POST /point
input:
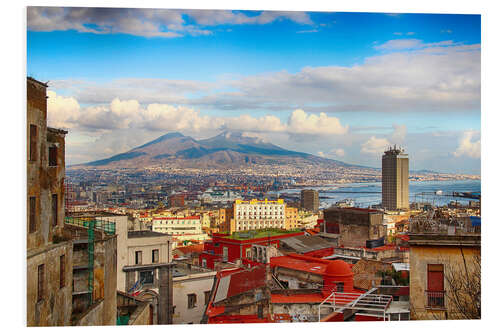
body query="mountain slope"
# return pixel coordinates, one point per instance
(228, 149)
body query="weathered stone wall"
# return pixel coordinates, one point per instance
(142, 315)
(55, 307)
(105, 277)
(93, 316)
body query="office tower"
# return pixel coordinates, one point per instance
(309, 200)
(395, 179)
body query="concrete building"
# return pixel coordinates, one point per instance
(356, 226)
(192, 286)
(395, 168)
(256, 214)
(224, 248)
(49, 255)
(309, 200)
(145, 268)
(445, 280)
(181, 228)
(94, 267)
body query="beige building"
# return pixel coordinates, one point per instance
(181, 228)
(256, 214)
(192, 287)
(445, 281)
(395, 168)
(49, 255)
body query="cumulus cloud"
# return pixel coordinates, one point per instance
(375, 146)
(127, 114)
(163, 23)
(302, 123)
(339, 152)
(467, 146)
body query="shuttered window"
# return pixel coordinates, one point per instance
(41, 281)
(435, 277)
(54, 210)
(33, 142)
(62, 271)
(53, 156)
(32, 221)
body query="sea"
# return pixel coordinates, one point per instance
(368, 194)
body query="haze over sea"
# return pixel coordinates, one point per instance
(329, 194)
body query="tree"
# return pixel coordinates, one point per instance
(463, 292)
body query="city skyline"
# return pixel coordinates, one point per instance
(339, 85)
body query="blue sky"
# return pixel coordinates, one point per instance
(339, 85)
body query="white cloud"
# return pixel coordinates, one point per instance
(339, 152)
(302, 123)
(122, 114)
(63, 110)
(375, 146)
(468, 147)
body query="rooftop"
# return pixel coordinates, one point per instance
(263, 233)
(145, 233)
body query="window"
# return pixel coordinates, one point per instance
(204, 263)
(146, 277)
(32, 227)
(435, 286)
(52, 156)
(191, 301)
(340, 287)
(62, 271)
(207, 296)
(248, 252)
(41, 282)
(33, 141)
(156, 255)
(54, 210)
(138, 257)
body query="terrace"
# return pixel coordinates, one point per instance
(262, 233)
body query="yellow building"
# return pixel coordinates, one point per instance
(292, 218)
(445, 276)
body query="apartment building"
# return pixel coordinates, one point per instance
(256, 214)
(49, 256)
(182, 228)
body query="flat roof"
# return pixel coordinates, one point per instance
(145, 233)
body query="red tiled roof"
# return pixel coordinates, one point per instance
(177, 218)
(313, 265)
(198, 248)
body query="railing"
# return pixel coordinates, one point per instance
(435, 299)
(107, 226)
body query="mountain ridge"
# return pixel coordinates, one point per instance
(227, 149)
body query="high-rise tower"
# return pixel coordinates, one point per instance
(395, 167)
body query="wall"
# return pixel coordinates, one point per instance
(105, 280)
(420, 257)
(93, 316)
(191, 284)
(142, 315)
(55, 307)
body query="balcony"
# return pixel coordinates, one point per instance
(435, 300)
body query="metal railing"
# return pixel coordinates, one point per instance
(435, 299)
(107, 226)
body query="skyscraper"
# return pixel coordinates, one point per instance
(395, 167)
(309, 200)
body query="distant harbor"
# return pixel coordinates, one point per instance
(368, 194)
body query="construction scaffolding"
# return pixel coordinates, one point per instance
(102, 224)
(369, 302)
